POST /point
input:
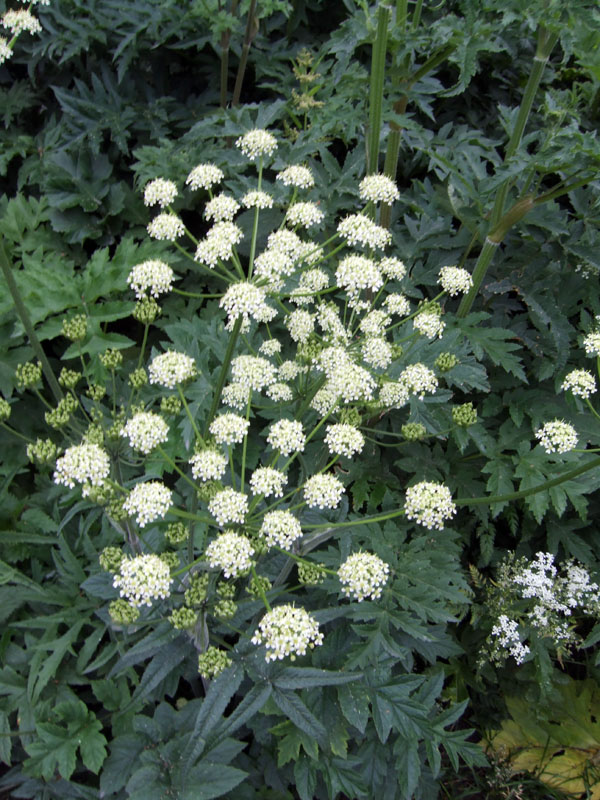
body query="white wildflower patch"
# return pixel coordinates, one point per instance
(231, 552)
(557, 436)
(148, 502)
(287, 436)
(150, 278)
(455, 280)
(280, 393)
(363, 576)
(160, 192)
(171, 369)
(257, 143)
(257, 199)
(287, 631)
(429, 324)
(268, 482)
(145, 431)
(229, 428)
(166, 227)
(281, 529)
(429, 504)
(344, 440)
(304, 215)
(580, 382)
(300, 177)
(397, 304)
(208, 465)
(229, 506)
(378, 189)
(506, 632)
(19, 20)
(221, 208)
(218, 244)
(300, 325)
(323, 491)
(143, 579)
(377, 352)
(253, 372)
(85, 464)
(247, 301)
(357, 229)
(419, 380)
(393, 394)
(235, 395)
(204, 176)
(392, 268)
(356, 273)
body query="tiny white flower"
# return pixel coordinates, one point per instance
(20, 20)
(229, 506)
(392, 268)
(455, 280)
(344, 440)
(429, 324)
(143, 579)
(151, 278)
(281, 529)
(580, 382)
(429, 504)
(419, 380)
(363, 576)
(358, 229)
(557, 436)
(268, 482)
(87, 464)
(221, 208)
(323, 491)
(287, 436)
(148, 502)
(301, 177)
(257, 200)
(145, 431)
(204, 176)
(304, 215)
(230, 552)
(287, 631)
(166, 226)
(591, 344)
(170, 369)
(229, 428)
(208, 465)
(378, 189)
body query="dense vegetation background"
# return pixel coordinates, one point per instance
(485, 115)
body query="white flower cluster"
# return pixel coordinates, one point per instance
(397, 304)
(171, 368)
(300, 324)
(248, 301)
(507, 633)
(148, 502)
(377, 352)
(323, 491)
(160, 192)
(235, 395)
(257, 200)
(229, 506)
(143, 579)
(357, 273)
(287, 631)
(392, 268)
(257, 143)
(357, 229)
(218, 244)
(581, 382)
(229, 428)
(344, 440)
(166, 227)
(253, 372)
(152, 277)
(374, 323)
(393, 394)
(300, 177)
(280, 528)
(287, 436)
(230, 552)
(429, 324)
(208, 465)
(280, 393)
(311, 282)
(19, 20)
(378, 189)
(204, 176)
(304, 215)
(363, 575)
(5, 50)
(557, 436)
(591, 343)
(268, 482)
(455, 280)
(346, 380)
(87, 464)
(429, 504)
(145, 431)
(270, 347)
(221, 208)
(418, 380)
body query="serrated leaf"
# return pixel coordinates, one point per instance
(297, 712)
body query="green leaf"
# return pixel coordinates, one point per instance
(5, 738)
(354, 703)
(207, 781)
(307, 677)
(296, 711)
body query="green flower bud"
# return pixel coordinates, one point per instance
(170, 559)
(42, 452)
(464, 415)
(146, 310)
(183, 618)
(413, 431)
(110, 559)
(310, 574)
(197, 590)
(122, 613)
(96, 391)
(225, 609)
(68, 378)
(308, 351)
(208, 490)
(213, 662)
(94, 435)
(257, 584)
(176, 533)
(170, 405)
(115, 510)
(111, 359)
(397, 351)
(28, 375)
(445, 361)
(60, 416)
(348, 415)
(138, 378)
(226, 590)
(75, 328)
(4, 410)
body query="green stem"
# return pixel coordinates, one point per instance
(14, 432)
(417, 15)
(177, 512)
(250, 33)
(255, 225)
(189, 413)
(223, 373)
(23, 315)
(591, 408)
(174, 466)
(260, 589)
(245, 445)
(485, 259)
(376, 87)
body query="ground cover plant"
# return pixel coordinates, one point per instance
(300, 424)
